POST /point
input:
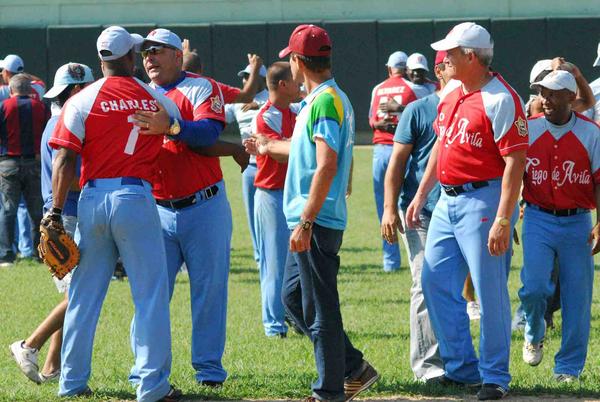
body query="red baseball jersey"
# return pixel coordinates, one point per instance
(97, 122)
(562, 170)
(182, 172)
(277, 124)
(22, 122)
(229, 92)
(476, 130)
(402, 91)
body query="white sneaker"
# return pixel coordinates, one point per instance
(565, 378)
(473, 310)
(26, 358)
(533, 353)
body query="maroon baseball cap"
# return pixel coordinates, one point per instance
(308, 40)
(439, 57)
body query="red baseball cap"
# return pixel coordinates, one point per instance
(439, 57)
(308, 40)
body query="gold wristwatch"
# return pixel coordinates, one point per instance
(305, 224)
(175, 127)
(502, 221)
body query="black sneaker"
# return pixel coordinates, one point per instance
(211, 384)
(172, 396)
(449, 382)
(355, 385)
(491, 392)
(85, 393)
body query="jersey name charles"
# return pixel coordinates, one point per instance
(150, 105)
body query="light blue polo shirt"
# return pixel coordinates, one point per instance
(326, 113)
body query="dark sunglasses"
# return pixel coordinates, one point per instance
(154, 49)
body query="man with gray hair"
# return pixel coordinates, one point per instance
(479, 160)
(22, 121)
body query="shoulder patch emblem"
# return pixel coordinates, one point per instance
(216, 104)
(521, 126)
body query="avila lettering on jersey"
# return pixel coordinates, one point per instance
(476, 130)
(561, 173)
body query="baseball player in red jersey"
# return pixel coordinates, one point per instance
(192, 202)
(117, 216)
(275, 120)
(561, 187)
(399, 92)
(479, 160)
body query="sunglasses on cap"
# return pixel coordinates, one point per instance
(155, 49)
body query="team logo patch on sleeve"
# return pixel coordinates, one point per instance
(521, 126)
(216, 104)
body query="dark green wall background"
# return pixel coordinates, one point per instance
(360, 48)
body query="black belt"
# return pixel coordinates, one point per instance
(558, 212)
(453, 191)
(204, 194)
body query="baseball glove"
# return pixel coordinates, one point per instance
(57, 249)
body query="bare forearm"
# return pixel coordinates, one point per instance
(511, 183)
(394, 176)
(319, 188)
(585, 96)
(279, 150)
(63, 173)
(220, 148)
(430, 178)
(247, 93)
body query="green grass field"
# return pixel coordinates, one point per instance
(374, 305)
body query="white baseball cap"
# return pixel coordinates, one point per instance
(12, 63)
(597, 61)
(397, 60)
(539, 67)
(416, 61)
(70, 73)
(467, 34)
(117, 42)
(165, 37)
(557, 80)
(262, 71)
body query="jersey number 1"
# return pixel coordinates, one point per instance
(133, 136)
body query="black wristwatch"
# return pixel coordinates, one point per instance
(305, 224)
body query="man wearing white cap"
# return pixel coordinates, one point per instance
(584, 98)
(388, 99)
(68, 80)
(562, 186)
(117, 216)
(479, 161)
(11, 65)
(192, 202)
(244, 115)
(416, 65)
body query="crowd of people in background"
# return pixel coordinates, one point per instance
(131, 168)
